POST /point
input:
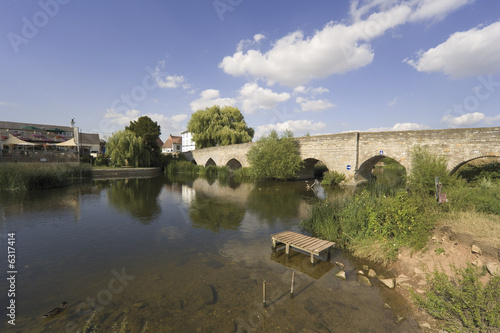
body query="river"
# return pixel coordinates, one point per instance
(183, 256)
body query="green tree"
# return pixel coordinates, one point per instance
(275, 157)
(218, 126)
(127, 149)
(149, 131)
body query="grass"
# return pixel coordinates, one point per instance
(484, 227)
(32, 176)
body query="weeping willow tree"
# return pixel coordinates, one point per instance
(127, 149)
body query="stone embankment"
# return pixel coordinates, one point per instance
(125, 173)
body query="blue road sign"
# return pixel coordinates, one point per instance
(348, 167)
(381, 152)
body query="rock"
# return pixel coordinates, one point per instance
(139, 305)
(389, 283)
(493, 268)
(476, 249)
(365, 267)
(402, 278)
(399, 319)
(387, 306)
(424, 325)
(422, 283)
(341, 265)
(418, 271)
(364, 281)
(341, 275)
(420, 291)
(360, 272)
(477, 263)
(208, 294)
(372, 274)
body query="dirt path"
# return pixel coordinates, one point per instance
(444, 249)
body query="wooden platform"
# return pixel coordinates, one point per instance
(313, 246)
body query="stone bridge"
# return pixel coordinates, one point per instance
(356, 153)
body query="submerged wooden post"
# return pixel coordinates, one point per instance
(264, 293)
(293, 279)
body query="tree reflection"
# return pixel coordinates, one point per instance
(138, 197)
(215, 214)
(274, 200)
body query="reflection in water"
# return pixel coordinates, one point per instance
(198, 268)
(139, 197)
(214, 214)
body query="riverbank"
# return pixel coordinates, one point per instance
(102, 173)
(448, 247)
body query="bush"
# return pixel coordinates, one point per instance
(102, 160)
(462, 300)
(425, 168)
(332, 178)
(275, 157)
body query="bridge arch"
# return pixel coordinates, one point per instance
(461, 164)
(233, 164)
(308, 171)
(364, 172)
(210, 162)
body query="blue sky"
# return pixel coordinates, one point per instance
(314, 67)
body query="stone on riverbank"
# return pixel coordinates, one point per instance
(372, 274)
(493, 268)
(341, 265)
(364, 281)
(341, 275)
(389, 283)
(476, 249)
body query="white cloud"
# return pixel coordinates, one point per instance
(337, 48)
(114, 121)
(253, 97)
(467, 119)
(248, 43)
(299, 127)
(466, 53)
(492, 120)
(258, 37)
(436, 9)
(309, 90)
(296, 59)
(168, 81)
(118, 121)
(209, 98)
(394, 101)
(397, 127)
(314, 105)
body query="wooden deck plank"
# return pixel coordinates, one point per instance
(311, 245)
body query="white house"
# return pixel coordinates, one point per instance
(187, 141)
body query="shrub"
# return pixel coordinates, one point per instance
(332, 178)
(425, 168)
(275, 157)
(102, 160)
(462, 300)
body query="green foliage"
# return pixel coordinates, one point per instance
(102, 160)
(244, 173)
(32, 176)
(319, 170)
(275, 157)
(149, 131)
(462, 300)
(387, 221)
(473, 173)
(127, 149)
(439, 250)
(87, 159)
(424, 169)
(219, 126)
(483, 196)
(332, 178)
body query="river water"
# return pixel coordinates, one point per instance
(181, 256)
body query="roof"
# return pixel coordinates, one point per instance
(159, 142)
(23, 126)
(171, 140)
(89, 139)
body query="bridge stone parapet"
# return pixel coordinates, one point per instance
(356, 153)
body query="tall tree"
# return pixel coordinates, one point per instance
(218, 126)
(127, 149)
(275, 157)
(149, 131)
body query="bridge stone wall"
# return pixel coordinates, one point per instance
(356, 153)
